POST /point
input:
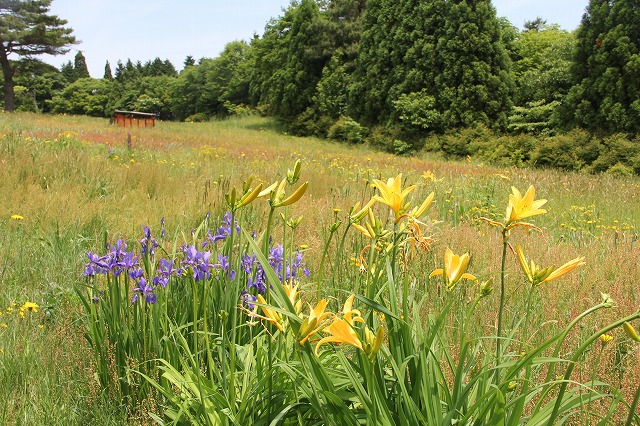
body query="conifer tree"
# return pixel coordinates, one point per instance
(108, 75)
(80, 66)
(606, 94)
(27, 29)
(447, 56)
(474, 84)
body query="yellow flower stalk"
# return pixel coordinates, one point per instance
(293, 198)
(373, 228)
(536, 275)
(392, 194)
(340, 331)
(373, 342)
(521, 207)
(277, 197)
(454, 269)
(292, 293)
(249, 196)
(268, 189)
(360, 214)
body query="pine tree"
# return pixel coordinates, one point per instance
(27, 29)
(107, 72)
(379, 52)
(68, 71)
(606, 94)
(474, 84)
(447, 56)
(80, 66)
(119, 75)
(189, 61)
(290, 58)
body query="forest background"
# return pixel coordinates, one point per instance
(443, 76)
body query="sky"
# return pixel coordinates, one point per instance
(141, 30)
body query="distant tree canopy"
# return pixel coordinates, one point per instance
(27, 29)
(392, 72)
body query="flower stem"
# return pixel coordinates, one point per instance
(501, 307)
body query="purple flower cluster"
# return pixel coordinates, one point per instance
(196, 263)
(257, 278)
(142, 287)
(116, 261)
(225, 230)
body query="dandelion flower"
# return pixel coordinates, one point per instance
(29, 306)
(606, 338)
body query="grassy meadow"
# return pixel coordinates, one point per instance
(67, 183)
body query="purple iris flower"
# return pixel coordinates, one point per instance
(143, 289)
(96, 265)
(165, 270)
(148, 243)
(198, 262)
(248, 299)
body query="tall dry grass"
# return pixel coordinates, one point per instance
(72, 178)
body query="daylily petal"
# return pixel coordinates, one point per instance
(340, 332)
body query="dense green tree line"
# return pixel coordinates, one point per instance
(394, 72)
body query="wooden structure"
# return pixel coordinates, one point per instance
(133, 118)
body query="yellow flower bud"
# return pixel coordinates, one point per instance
(631, 332)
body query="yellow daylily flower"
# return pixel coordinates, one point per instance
(392, 194)
(292, 293)
(373, 342)
(631, 332)
(268, 189)
(270, 315)
(314, 322)
(536, 275)
(417, 212)
(340, 331)
(356, 215)
(348, 313)
(297, 194)
(521, 207)
(277, 196)
(454, 269)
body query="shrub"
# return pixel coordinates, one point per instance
(197, 118)
(620, 170)
(309, 123)
(347, 130)
(416, 111)
(615, 149)
(462, 142)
